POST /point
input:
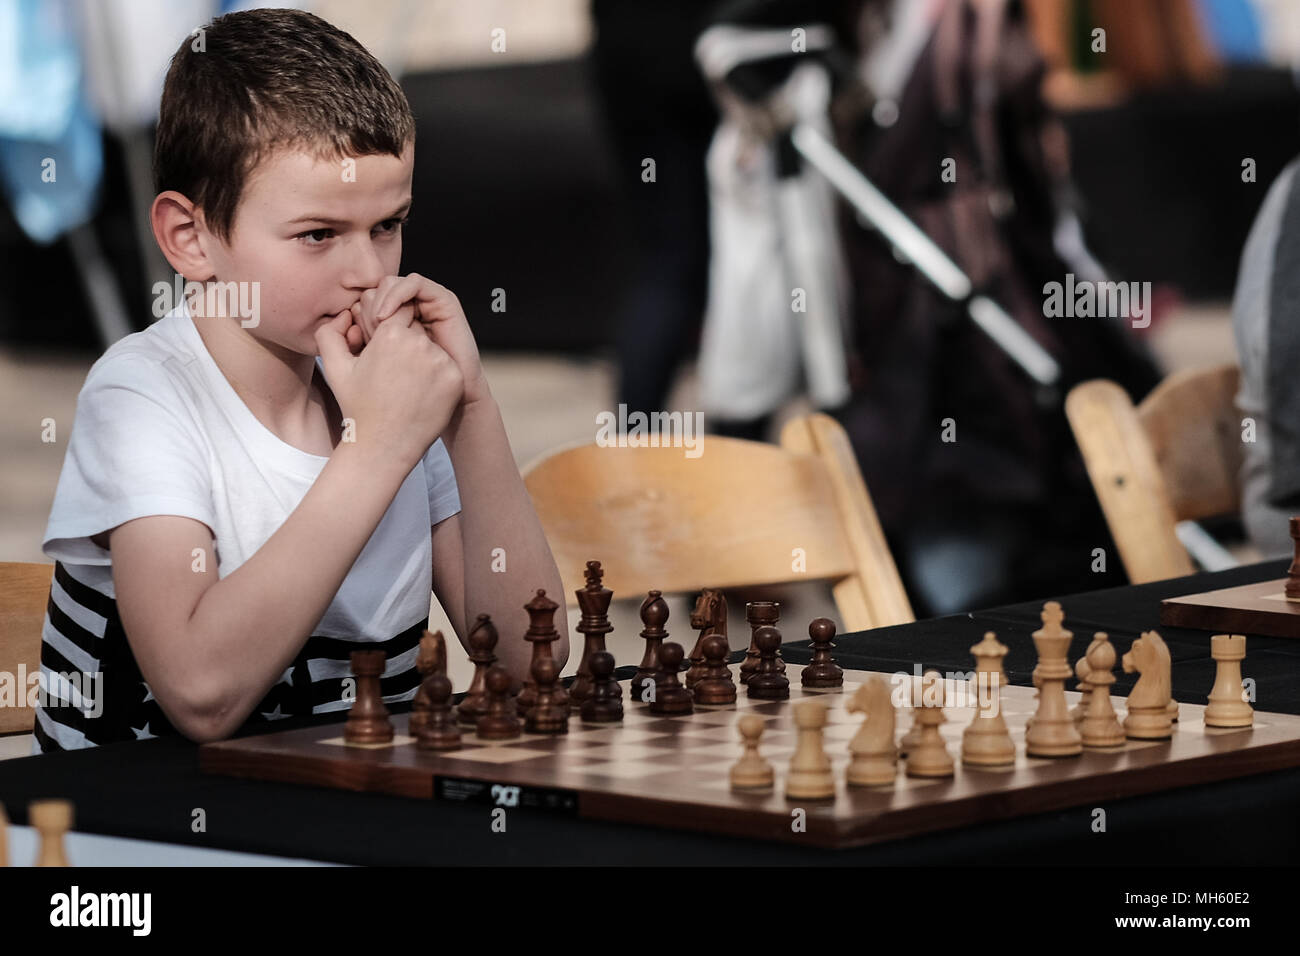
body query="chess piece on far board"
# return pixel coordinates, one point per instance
(52, 819)
(1226, 707)
(368, 721)
(822, 672)
(1100, 729)
(874, 757)
(654, 614)
(605, 703)
(1292, 590)
(1148, 704)
(594, 600)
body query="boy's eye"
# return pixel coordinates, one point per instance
(315, 237)
(392, 225)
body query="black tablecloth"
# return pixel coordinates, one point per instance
(152, 789)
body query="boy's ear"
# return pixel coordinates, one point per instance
(176, 227)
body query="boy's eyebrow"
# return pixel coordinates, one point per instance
(398, 214)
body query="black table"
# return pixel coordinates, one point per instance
(151, 789)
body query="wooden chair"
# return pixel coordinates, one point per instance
(24, 592)
(1175, 457)
(742, 513)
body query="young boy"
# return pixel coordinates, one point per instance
(235, 516)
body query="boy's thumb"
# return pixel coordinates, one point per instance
(332, 344)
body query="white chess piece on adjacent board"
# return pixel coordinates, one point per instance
(1226, 707)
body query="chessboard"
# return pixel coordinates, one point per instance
(673, 771)
(1260, 608)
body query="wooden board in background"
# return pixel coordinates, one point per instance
(1260, 608)
(673, 771)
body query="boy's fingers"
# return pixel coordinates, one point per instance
(331, 342)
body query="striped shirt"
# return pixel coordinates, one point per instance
(159, 430)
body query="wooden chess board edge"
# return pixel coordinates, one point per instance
(1096, 789)
(823, 829)
(1237, 610)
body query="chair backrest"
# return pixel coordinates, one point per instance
(741, 513)
(1176, 457)
(24, 593)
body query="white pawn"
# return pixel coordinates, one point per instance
(751, 771)
(930, 757)
(810, 776)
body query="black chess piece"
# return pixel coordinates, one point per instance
(541, 634)
(594, 600)
(758, 614)
(499, 722)
(605, 705)
(715, 686)
(768, 683)
(482, 642)
(549, 714)
(438, 731)
(823, 672)
(654, 614)
(670, 697)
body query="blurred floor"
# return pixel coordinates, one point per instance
(546, 400)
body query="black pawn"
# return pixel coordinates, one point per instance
(654, 614)
(438, 730)
(823, 671)
(670, 697)
(500, 722)
(549, 714)
(482, 643)
(768, 683)
(715, 685)
(605, 705)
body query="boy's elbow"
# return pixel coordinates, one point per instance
(206, 717)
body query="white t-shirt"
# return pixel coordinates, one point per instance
(160, 431)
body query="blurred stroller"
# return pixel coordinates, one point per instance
(917, 319)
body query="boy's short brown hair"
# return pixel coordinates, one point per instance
(260, 80)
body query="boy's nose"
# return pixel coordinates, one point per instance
(364, 267)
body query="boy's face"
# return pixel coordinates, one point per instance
(314, 234)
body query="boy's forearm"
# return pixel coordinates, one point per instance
(251, 624)
(496, 512)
